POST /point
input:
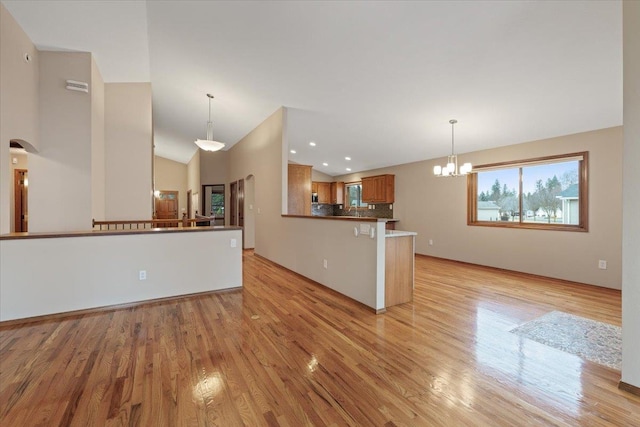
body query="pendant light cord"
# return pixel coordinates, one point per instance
(453, 122)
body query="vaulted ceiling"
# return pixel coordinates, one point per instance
(375, 81)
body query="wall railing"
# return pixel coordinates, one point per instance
(148, 224)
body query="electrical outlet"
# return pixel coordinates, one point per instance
(142, 275)
(602, 264)
(325, 264)
(233, 243)
(430, 242)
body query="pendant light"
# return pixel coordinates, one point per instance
(209, 144)
(451, 169)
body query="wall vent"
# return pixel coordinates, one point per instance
(79, 86)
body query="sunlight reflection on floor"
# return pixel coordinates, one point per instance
(531, 363)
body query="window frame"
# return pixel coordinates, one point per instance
(583, 186)
(361, 205)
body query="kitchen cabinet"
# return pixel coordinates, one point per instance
(299, 190)
(324, 192)
(337, 193)
(378, 189)
(399, 267)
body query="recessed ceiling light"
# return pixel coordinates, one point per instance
(292, 151)
(348, 169)
(347, 158)
(325, 164)
(313, 144)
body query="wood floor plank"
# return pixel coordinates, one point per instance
(284, 351)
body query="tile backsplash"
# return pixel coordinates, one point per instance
(318, 209)
(381, 210)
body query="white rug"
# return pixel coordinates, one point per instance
(595, 341)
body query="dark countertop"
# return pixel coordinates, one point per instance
(344, 218)
(50, 235)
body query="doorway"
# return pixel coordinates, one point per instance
(166, 207)
(233, 209)
(213, 202)
(20, 189)
(189, 205)
(241, 203)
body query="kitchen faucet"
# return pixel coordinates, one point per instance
(353, 205)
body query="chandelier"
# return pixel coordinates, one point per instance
(209, 144)
(451, 169)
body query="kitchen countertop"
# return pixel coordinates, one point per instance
(399, 233)
(344, 217)
(48, 235)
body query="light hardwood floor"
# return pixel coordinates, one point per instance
(285, 351)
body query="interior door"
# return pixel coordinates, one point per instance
(241, 203)
(21, 188)
(233, 211)
(166, 204)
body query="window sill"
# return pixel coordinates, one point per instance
(529, 226)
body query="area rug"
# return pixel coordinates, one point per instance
(595, 341)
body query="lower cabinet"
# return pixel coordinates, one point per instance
(398, 277)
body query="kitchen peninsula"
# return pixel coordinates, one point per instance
(356, 257)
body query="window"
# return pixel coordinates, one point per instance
(545, 193)
(353, 195)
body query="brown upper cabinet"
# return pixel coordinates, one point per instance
(337, 193)
(324, 192)
(328, 192)
(378, 189)
(299, 189)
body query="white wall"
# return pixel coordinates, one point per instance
(320, 176)
(301, 244)
(436, 208)
(260, 154)
(128, 151)
(355, 265)
(250, 212)
(193, 181)
(18, 103)
(60, 173)
(76, 273)
(98, 165)
(631, 197)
